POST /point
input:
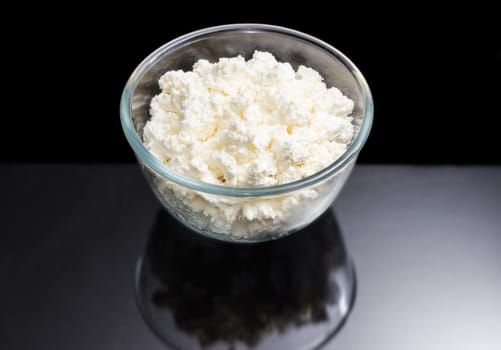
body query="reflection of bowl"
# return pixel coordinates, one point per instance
(223, 212)
(291, 293)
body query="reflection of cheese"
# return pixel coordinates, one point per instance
(253, 123)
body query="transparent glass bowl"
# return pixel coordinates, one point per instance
(226, 213)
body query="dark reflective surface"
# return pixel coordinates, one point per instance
(426, 242)
(294, 292)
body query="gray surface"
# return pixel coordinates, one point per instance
(426, 242)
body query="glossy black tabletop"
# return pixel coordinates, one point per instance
(425, 241)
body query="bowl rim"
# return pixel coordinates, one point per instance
(155, 164)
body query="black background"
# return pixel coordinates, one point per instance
(435, 76)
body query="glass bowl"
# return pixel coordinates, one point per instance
(245, 214)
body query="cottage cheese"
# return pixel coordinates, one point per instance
(254, 123)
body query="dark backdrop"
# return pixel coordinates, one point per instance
(435, 77)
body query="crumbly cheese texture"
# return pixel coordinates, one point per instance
(254, 123)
